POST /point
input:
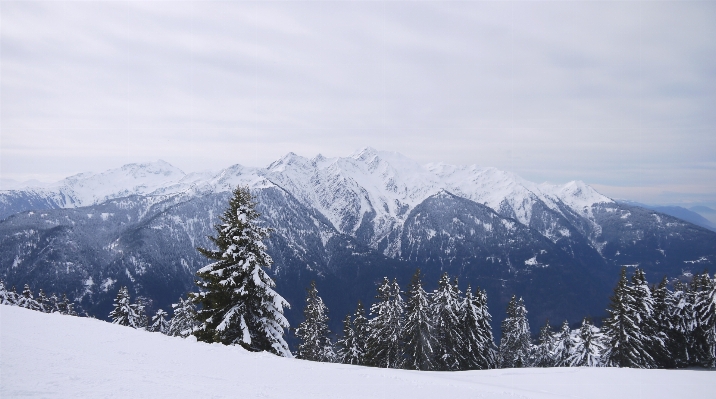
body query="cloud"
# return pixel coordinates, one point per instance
(613, 93)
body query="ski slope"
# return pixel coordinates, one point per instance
(55, 356)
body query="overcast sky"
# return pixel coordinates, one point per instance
(621, 95)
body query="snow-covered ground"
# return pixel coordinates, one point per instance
(50, 355)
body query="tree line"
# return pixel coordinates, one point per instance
(647, 327)
(43, 303)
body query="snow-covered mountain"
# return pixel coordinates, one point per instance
(382, 186)
(345, 222)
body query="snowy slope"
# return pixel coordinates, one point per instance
(55, 356)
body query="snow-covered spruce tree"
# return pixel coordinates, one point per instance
(159, 322)
(44, 301)
(362, 330)
(448, 329)
(27, 300)
(515, 343)
(479, 352)
(418, 337)
(140, 312)
(67, 307)
(663, 304)
(588, 348)
(383, 344)
(184, 321)
(313, 332)
(346, 348)
(683, 320)
(644, 300)
(625, 343)
(6, 296)
(54, 303)
(238, 303)
(543, 352)
(123, 312)
(706, 311)
(564, 345)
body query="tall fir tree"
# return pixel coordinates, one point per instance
(362, 331)
(706, 311)
(448, 329)
(625, 344)
(160, 323)
(54, 303)
(184, 321)
(418, 332)
(654, 338)
(515, 345)
(384, 347)
(663, 321)
(313, 332)
(588, 348)
(563, 346)
(27, 300)
(238, 302)
(123, 312)
(479, 350)
(140, 312)
(346, 348)
(543, 353)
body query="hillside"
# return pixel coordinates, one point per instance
(56, 356)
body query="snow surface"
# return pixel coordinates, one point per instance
(55, 356)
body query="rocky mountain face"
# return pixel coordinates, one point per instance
(345, 222)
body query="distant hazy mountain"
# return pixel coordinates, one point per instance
(693, 215)
(345, 222)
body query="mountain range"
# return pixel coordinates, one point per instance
(345, 222)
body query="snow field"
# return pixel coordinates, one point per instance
(55, 356)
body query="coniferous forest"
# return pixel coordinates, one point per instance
(668, 325)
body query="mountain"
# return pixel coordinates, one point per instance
(345, 222)
(690, 215)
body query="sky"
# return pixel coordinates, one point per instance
(621, 95)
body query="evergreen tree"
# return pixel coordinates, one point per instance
(625, 345)
(362, 331)
(184, 321)
(346, 348)
(479, 351)
(123, 313)
(383, 344)
(515, 342)
(159, 322)
(67, 307)
(142, 321)
(663, 321)
(563, 346)
(54, 303)
(587, 350)
(13, 297)
(44, 302)
(237, 297)
(418, 332)
(448, 328)
(706, 310)
(543, 354)
(6, 297)
(313, 332)
(27, 300)
(654, 339)
(683, 320)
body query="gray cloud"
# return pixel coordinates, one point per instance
(619, 94)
